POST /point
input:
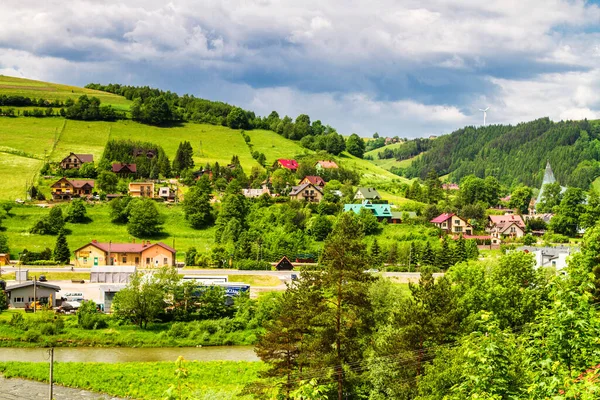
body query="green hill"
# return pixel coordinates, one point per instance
(517, 154)
(25, 141)
(53, 91)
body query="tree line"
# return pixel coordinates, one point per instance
(84, 108)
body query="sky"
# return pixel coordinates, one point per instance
(396, 67)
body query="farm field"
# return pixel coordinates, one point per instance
(54, 91)
(207, 380)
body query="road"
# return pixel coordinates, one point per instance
(22, 389)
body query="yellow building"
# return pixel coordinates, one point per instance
(144, 254)
(141, 189)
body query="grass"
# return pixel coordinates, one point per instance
(138, 380)
(176, 230)
(54, 91)
(15, 171)
(274, 146)
(390, 147)
(256, 280)
(369, 171)
(596, 184)
(32, 135)
(82, 137)
(53, 275)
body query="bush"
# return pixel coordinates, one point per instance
(179, 330)
(247, 265)
(18, 321)
(32, 336)
(44, 262)
(93, 321)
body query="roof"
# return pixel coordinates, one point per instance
(126, 247)
(442, 218)
(368, 193)
(315, 180)
(30, 283)
(450, 186)
(379, 210)
(502, 221)
(297, 189)
(327, 164)
(79, 183)
(119, 167)
(289, 164)
(85, 157)
(284, 264)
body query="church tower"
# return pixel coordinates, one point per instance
(548, 178)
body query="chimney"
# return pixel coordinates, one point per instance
(94, 241)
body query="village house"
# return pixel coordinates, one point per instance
(166, 193)
(141, 189)
(292, 165)
(144, 254)
(315, 180)
(22, 295)
(324, 164)
(549, 256)
(502, 226)
(307, 192)
(4, 259)
(65, 189)
(364, 193)
(452, 224)
(254, 193)
(201, 172)
(124, 170)
(381, 211)
(284, 264)
(75, 161)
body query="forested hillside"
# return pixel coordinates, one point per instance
(516, 154)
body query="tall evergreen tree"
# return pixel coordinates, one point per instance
(196, 204)
(61, 252)
(460, 253)
(184, 158)
(428, 257)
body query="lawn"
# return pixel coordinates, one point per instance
(369, 171)
(15, 171)
(177, 232)
(596, 184)
(392, 146)
(54, 91)
(213, 380)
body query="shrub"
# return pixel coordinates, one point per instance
(18, 321)
(179, 330)
(32, 336)
(252, 265)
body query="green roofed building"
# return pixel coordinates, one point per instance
(381, 211)
(365, 193)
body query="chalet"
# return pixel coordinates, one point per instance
(292, 165)
(284, 264)
(148, 153)
(141, 189)
(364, 193)
(381, 211)
(75, 161)
(307, 192)
(65, 189)
(549, 256)
(22, 294)
(452, 223)
(324, 164)
(502, 226)
(254, 193)
(144, 254)
(124, 169)
(315, 180)
(202, 171)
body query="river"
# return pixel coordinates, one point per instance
(126, 354)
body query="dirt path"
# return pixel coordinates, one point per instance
(21, 389)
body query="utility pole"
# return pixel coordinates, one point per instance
(34, 293)
(50, 392)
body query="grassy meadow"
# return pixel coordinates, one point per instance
(215, 380)
(274, 146)
(54, 91)
(15, 171)
(176, 231)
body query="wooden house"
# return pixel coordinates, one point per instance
(65, 189)
(452, 224)
(307, 192)
(141, 189)
(284, 264)
(315, 180)
(124, 170)
(144, 254)
(75, 161)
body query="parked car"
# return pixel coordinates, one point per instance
(42, 278)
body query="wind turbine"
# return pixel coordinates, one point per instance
(484, 114)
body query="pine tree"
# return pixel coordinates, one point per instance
(428, 257)
(444, 259)
(184, 158)
(61, 253)
(196, 204)
(375, 253)
(461, 250)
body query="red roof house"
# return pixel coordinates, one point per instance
(452, 223)
(292, 165)
(124, 169)
(315, 180)
(325, 164)
(508, 225)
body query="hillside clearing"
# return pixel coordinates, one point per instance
(15, 171)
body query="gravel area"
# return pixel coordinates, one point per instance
(22, 389)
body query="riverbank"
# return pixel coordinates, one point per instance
(37, 331)
(214, 380)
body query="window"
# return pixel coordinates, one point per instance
(124, 260)
(457, 222)
(444, 225)
(458, 229)
(85, 260)
(165, 261)
(147, 260)
(30, 299)
(19, 300)
(137, 260)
